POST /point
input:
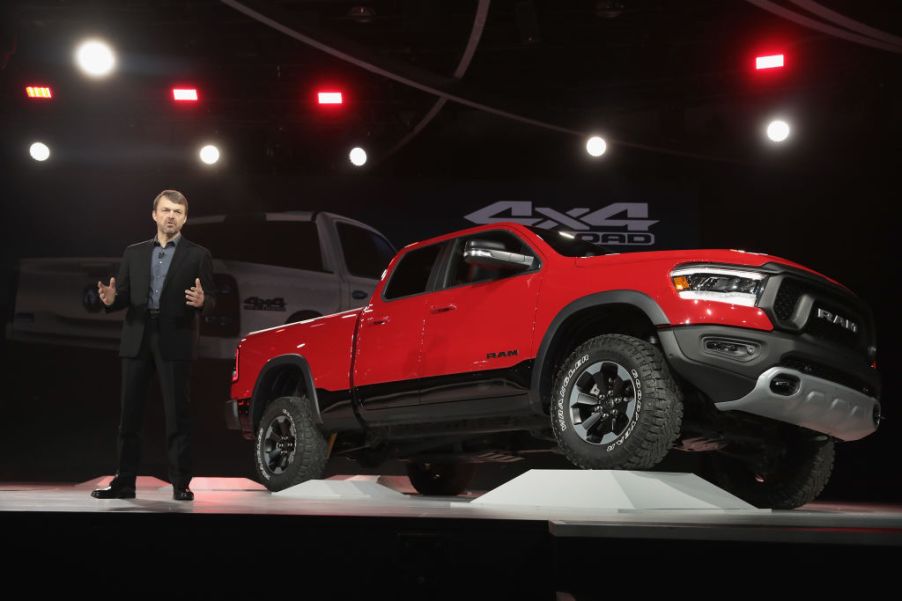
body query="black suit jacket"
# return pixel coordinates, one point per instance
(179, 322)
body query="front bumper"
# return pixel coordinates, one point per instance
(791, 378)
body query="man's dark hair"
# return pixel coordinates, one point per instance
(172, 196)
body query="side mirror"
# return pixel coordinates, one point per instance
(487, 253)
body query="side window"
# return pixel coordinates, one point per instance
(460, 272)
(411, 275)
(366, 252)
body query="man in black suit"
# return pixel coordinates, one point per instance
(164, 283)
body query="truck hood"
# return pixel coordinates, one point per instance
(715, 255)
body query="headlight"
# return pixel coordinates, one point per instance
(718, 284)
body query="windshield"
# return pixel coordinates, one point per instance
(567, 244)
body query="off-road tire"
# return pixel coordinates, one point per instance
(289, 419)
(795, 478)
(649, 391)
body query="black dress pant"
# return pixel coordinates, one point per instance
(174, 377)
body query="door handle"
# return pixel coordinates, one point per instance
(359, 295)
(379, 321)
(443, 308)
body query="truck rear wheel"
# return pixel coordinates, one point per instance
(289, 449)
(615, 404)
(793, 477)
(440, 478)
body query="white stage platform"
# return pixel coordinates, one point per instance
(574, 503)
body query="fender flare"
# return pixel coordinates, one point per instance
(294, 360)
(639, 300)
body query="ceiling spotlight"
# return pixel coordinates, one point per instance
(40, 92)
(184, 94)
(39, 151)
(329, 98)
(209, 154)
(95, 58)
(771, 61)
(596, 146)
(778, 130)
(357, 156)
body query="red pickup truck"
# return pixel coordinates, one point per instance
(503, 339)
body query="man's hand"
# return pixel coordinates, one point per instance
(195, 295)
(107, 293)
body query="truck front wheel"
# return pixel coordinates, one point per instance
(794, 476)
(290, 448)
(615, 404)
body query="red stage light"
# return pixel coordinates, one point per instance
(184, 94)
(330, 98)
(771, 61)
(38, 92)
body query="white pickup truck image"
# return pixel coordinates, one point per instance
(269, 268)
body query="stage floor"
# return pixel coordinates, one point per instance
(820, 522)
(423, 547)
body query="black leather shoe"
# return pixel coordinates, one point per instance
(116, 490)
(182, 494)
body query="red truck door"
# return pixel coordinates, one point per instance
(479, 326)
(390, 336)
